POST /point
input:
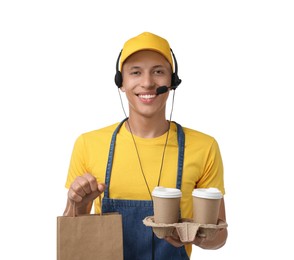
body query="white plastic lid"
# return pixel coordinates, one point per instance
(209, 193)
(163, 192)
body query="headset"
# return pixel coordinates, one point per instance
(175, 80)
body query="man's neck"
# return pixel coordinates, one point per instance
(147, 127)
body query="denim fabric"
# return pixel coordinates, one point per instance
(139, 241)
(137, 238)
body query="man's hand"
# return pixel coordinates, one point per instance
(175, 240)
(214, 242)
(81, 193)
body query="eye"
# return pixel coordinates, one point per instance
(135, 72)
(158, 72)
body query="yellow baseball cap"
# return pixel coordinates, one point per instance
(146, 41)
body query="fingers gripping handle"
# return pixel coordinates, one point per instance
(100, 204)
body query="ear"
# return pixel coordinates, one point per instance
(122, 88)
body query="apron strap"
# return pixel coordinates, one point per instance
(181, 151)
(110, 158)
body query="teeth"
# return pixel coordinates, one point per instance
(147, 96)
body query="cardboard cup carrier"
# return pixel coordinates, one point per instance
(166, 221)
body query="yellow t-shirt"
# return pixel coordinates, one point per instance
(202, 164)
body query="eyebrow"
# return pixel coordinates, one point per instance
(154, 67)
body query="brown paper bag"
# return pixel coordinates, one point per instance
(89, 237)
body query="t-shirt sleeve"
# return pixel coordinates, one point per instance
(77, 166)
(213, 172)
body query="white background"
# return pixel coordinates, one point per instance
(236, 60)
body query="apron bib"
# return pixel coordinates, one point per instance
(139, 241)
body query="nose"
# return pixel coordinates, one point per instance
(147, 81)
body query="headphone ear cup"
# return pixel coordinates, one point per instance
(175, 82)
(118, 79)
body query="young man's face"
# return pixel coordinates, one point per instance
(143, 72)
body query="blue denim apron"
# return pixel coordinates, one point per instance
(139, 241)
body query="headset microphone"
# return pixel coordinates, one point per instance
(161, 90)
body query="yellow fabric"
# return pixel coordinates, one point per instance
(202, 164)
(146, 41)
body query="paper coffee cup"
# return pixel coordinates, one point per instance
(166, 205)
(206, 204)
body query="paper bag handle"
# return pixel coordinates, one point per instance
(100, 203)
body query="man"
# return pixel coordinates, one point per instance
(125, 161)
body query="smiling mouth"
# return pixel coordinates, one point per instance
(146, 96)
